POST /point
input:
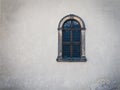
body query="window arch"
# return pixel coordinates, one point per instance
(71, 39)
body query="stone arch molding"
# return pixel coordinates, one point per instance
(83, 28)
(72, 16)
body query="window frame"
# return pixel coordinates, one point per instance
(82, 30)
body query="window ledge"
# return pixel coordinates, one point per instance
(81, 59)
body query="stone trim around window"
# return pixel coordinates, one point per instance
(83, 57)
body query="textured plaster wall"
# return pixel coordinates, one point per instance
(29, 41)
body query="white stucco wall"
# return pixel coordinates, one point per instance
(29, 44)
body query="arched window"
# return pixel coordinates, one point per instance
(71, 39)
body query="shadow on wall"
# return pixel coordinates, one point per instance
(8, 9)
(10, 88)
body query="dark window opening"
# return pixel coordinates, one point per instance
(71, 41)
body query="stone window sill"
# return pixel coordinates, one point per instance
(81, 59)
